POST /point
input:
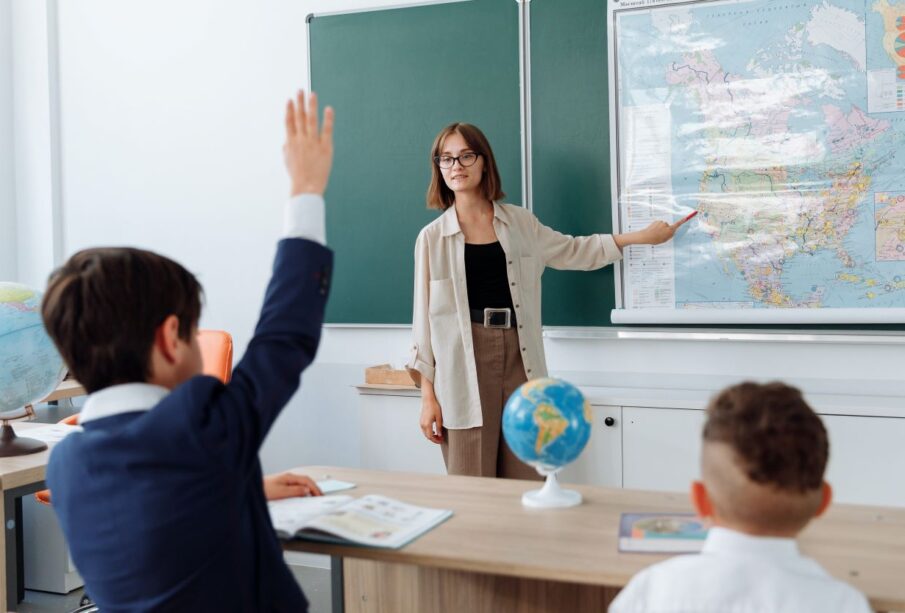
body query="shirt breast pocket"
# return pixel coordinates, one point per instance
(442, 297)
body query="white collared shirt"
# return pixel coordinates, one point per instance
(304, 217)
(442, 348)
(738, 573)
(118, 399)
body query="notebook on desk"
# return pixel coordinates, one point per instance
(372, 521)
(661, 533)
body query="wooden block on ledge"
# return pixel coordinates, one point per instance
(384, 374)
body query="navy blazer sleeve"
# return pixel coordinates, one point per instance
(233, 419)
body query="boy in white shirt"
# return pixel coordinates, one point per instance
(762, 463)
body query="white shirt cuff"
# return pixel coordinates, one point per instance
(305, 217)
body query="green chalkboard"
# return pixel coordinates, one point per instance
(570, 148)
(395, 78)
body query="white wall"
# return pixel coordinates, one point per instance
(8, 267)
(172, 131)
(34, 178)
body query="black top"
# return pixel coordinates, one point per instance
(485, 276)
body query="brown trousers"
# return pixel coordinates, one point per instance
(482, 451)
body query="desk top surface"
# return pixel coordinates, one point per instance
(24, 469)
(491, 532)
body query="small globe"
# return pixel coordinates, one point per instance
(547, 423)
(30, 366)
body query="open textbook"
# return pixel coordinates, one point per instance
(374, 521)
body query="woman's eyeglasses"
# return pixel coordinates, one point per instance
(447, 161)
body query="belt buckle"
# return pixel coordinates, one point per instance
(492, 318)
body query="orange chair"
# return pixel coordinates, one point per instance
(216, 361)
(216, 353)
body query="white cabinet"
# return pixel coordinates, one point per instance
(660, 448)
(651, 449)
(391, 438)
(661, 451)
(601, 461)
(48, 566)
(867, 459)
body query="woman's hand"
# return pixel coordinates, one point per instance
(431, 415)
(656, 233)
(288, 485)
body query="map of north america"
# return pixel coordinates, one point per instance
(785, 134)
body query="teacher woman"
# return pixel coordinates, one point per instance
(477, 304)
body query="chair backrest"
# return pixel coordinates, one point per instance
(216, 353)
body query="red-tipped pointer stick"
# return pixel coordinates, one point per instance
(690, 215)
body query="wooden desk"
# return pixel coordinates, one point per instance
(495, 555)
(70, 388)
(19, 476)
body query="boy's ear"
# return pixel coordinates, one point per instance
(700, 499)
(827, 499)
(166, 338)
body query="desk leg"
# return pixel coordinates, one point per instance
(13, 589)
(11, 554)
(20, 553)
(337, 589)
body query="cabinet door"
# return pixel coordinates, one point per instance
(867, 459)
(660, 448)
(391, 438)
(601, 461)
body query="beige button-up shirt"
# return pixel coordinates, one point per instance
(442, 347)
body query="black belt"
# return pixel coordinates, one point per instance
(493, 318)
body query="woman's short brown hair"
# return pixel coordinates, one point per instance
(439, 196)
(103, 307)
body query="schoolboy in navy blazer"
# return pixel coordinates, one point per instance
(161, 498)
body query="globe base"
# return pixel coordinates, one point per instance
(551, 496)
(12, 445)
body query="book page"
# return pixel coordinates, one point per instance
(376, 521)
(290, 515)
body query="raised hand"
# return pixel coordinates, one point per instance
(308, 150)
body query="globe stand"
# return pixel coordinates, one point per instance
(12, 445)
(551, 495)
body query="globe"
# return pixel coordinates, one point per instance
(30, 366)
(547, 423)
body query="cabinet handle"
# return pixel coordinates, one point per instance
(610, 422)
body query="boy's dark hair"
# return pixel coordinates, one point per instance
(102, 308)
(777, 438)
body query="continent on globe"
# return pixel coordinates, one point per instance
(550, 426)
(15, 296)
(890, 223)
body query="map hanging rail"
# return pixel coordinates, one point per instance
(759, 316)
